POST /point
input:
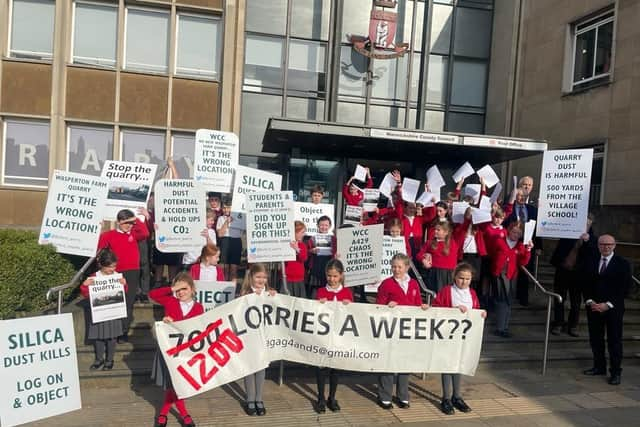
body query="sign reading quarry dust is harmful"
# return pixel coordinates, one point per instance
(39, 368)
(180, 215)
(72, 217)
(215, 159)
(270, 228)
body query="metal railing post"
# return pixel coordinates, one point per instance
(285, 288)
(59, 302)
(429, 292)
(73, 282)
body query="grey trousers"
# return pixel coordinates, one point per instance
(105, 349)
(503, 314)
(253, 386)
(385, 387)
(450, 381)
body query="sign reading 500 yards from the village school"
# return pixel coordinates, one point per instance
(215, 159)
(72, 217)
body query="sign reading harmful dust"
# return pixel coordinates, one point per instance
(129, 186)
(270, 228)
(73, 214)
(215, 159)
(180, 215)
(360, 250)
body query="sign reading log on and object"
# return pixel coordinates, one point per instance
(215, 159)
(270, 230)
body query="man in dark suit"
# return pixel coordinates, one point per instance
(609, 280)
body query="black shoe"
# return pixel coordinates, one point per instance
(108, 365)
(385, 405)
(260, 410)
(573, 332)
(446, 407)
(333, 405)
(96, 365)
(614, 379)
(123, 339)
(161, 421)
(460, 404)
(404, 405)
(143, 298)
(251, 408)
(556, 330)
(321, 407)
(595, 371)
(187, 421)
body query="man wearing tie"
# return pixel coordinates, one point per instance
(608, 284)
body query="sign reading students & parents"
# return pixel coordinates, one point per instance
(270, 228)
(73, 214)
(39, 368)
(564, 193)
(180, 215)
(215, 159)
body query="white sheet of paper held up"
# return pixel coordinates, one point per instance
(361, 173)
(480, 215)
(473, 190)
(496, 193)
(426, 199)
(410, 189)
(485, 203)
(434, 178)
(515, 182)
(387, 185)
(459, 208)
(463, 172)
(489, 175)
(529, 229)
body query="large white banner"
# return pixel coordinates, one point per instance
(390, 247)
(215, 159)
(246, 334)
(564, 193)
(249, 180)
(180, 215)
(270, 228)
(212, 294)
(39, 369)
(309, 214)
(129, 186)
(106, 298)
(360, 250)
(73, 213)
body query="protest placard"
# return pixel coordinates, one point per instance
(463, 172)
(249, 180)
(434, 178)
(489, 175)
(370, 201)
(426, 199)
(387, 185)
(213, 293)
(106, 298)
(39, 368)
(564, 193)
(180, 214)
(246, 334)
(270, 228)
(352, 215)
(72, 217)
(360, 173)
(458, 211)
(215, 159)
(360, 250)
(309, 213)
(410, 188)
(129, 186)
(323, 244)
(390, 247)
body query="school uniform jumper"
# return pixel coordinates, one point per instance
(355, 199)
(198, 268)
(294, 271)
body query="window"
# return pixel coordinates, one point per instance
(88, 148)
(592, 48)
(198, 47)
(26, 153)
(469, 83)
(143, 52)
(266, 16)
(182, 152)
(263, 61)
(310, 18)
(465, 123)
(94, 33)
(305, 108)
(306, 66)
(256, 110)
(32, 29)
(353, 72)
(472, 33)
(143, 147)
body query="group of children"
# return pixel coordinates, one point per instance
(458, 261)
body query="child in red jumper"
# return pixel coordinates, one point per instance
(123, 242)
(206, 266)
(440, 255)
(334, 291)
(461, 296)
(294, 270)
(178, 304)
(103, 334)
(399, 289)
(352, 195)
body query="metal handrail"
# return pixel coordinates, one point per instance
(423, 286)
(72, 283)
(550, 297)
(635, 279)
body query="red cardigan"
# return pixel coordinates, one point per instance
(164, 296)
(125, 245)
(355, 200)
(490, 235)
(478, 236)
(513, 259)
(195, 272)
(344, 294)
(390, 290)
(443, 298)
(295, 269)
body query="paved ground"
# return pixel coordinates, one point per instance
(522, 397)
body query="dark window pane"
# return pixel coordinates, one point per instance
(469, 82)
(256, 110)
(183, 148)
(310, 19)
(89, 147)
(603, 51)
(465, 123)
(472, 33)
(583, 67)
(266, 16)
